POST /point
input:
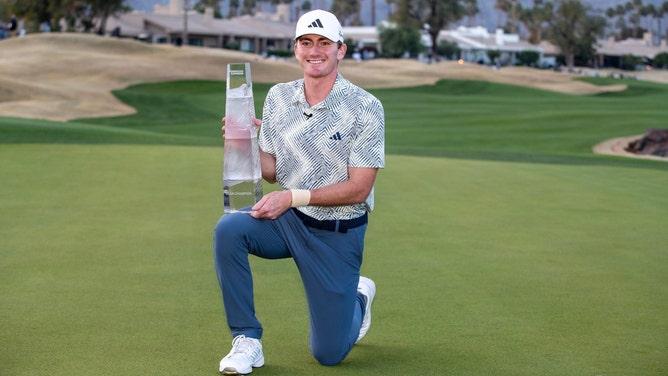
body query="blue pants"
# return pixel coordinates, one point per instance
(328, 262)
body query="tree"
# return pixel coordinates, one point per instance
(103, 9)
(535, 18)
(4, 10)
(512, 10)
(348, 11)
(471, 9)
(660, 12)
(661, 60)
(373, 12)
(650, 12)
(78, 14)
(630, 62)
(306, 6)
(574, 30)
(493, 56)
(432, 15)
(233, 10)
(201, 6)
(396, 41)
(449, 49)
(503, 7)
(248, 7)
(635, 8)
(619, 11)
(298, 8)
(33, 12)
(528, 57)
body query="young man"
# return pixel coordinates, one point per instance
(322, 140)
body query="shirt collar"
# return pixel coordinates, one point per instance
(339, 88)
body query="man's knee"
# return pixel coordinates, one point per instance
(228, 230)
(232, 225)
(221, 228)
(329, 355)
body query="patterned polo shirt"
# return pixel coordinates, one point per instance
(314, 146)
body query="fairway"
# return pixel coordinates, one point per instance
(501, 245)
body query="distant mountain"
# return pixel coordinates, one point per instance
(488, 16)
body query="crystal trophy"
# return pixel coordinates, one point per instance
(242, 175)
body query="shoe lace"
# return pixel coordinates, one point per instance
(244, 345)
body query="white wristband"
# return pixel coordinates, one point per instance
(300, 197)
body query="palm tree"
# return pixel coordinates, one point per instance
(503, 6)
(619, 11)
(635, 7)
(307, 6)
(574, 30)
(534, 19)
(233, 9)
(471, 9)
(347, 11)
(512, 9)
(650, 12)
(660, 13)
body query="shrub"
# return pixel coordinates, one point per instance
(630, 62)
(661, 60)
(528, 57)
(493, 56)
(450, 50)
(281, 53)
(233, 45)
(396, 41)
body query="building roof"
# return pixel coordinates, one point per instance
(131, 24)
(135, 24)
(478, 38)
(637, 47)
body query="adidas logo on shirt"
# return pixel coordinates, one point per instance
(336, 136)
(316, 23)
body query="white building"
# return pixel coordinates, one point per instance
(169, 24)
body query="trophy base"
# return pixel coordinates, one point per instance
(240, 195)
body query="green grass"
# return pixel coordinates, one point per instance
(500, 245)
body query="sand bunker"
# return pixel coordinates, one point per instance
(617, 147)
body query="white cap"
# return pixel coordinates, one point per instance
(320, 22)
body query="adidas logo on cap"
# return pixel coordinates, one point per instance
(320, 22)
(317, 23)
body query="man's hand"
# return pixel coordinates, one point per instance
(272, 205)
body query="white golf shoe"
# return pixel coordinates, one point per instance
(367, 288)
(246, 353)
